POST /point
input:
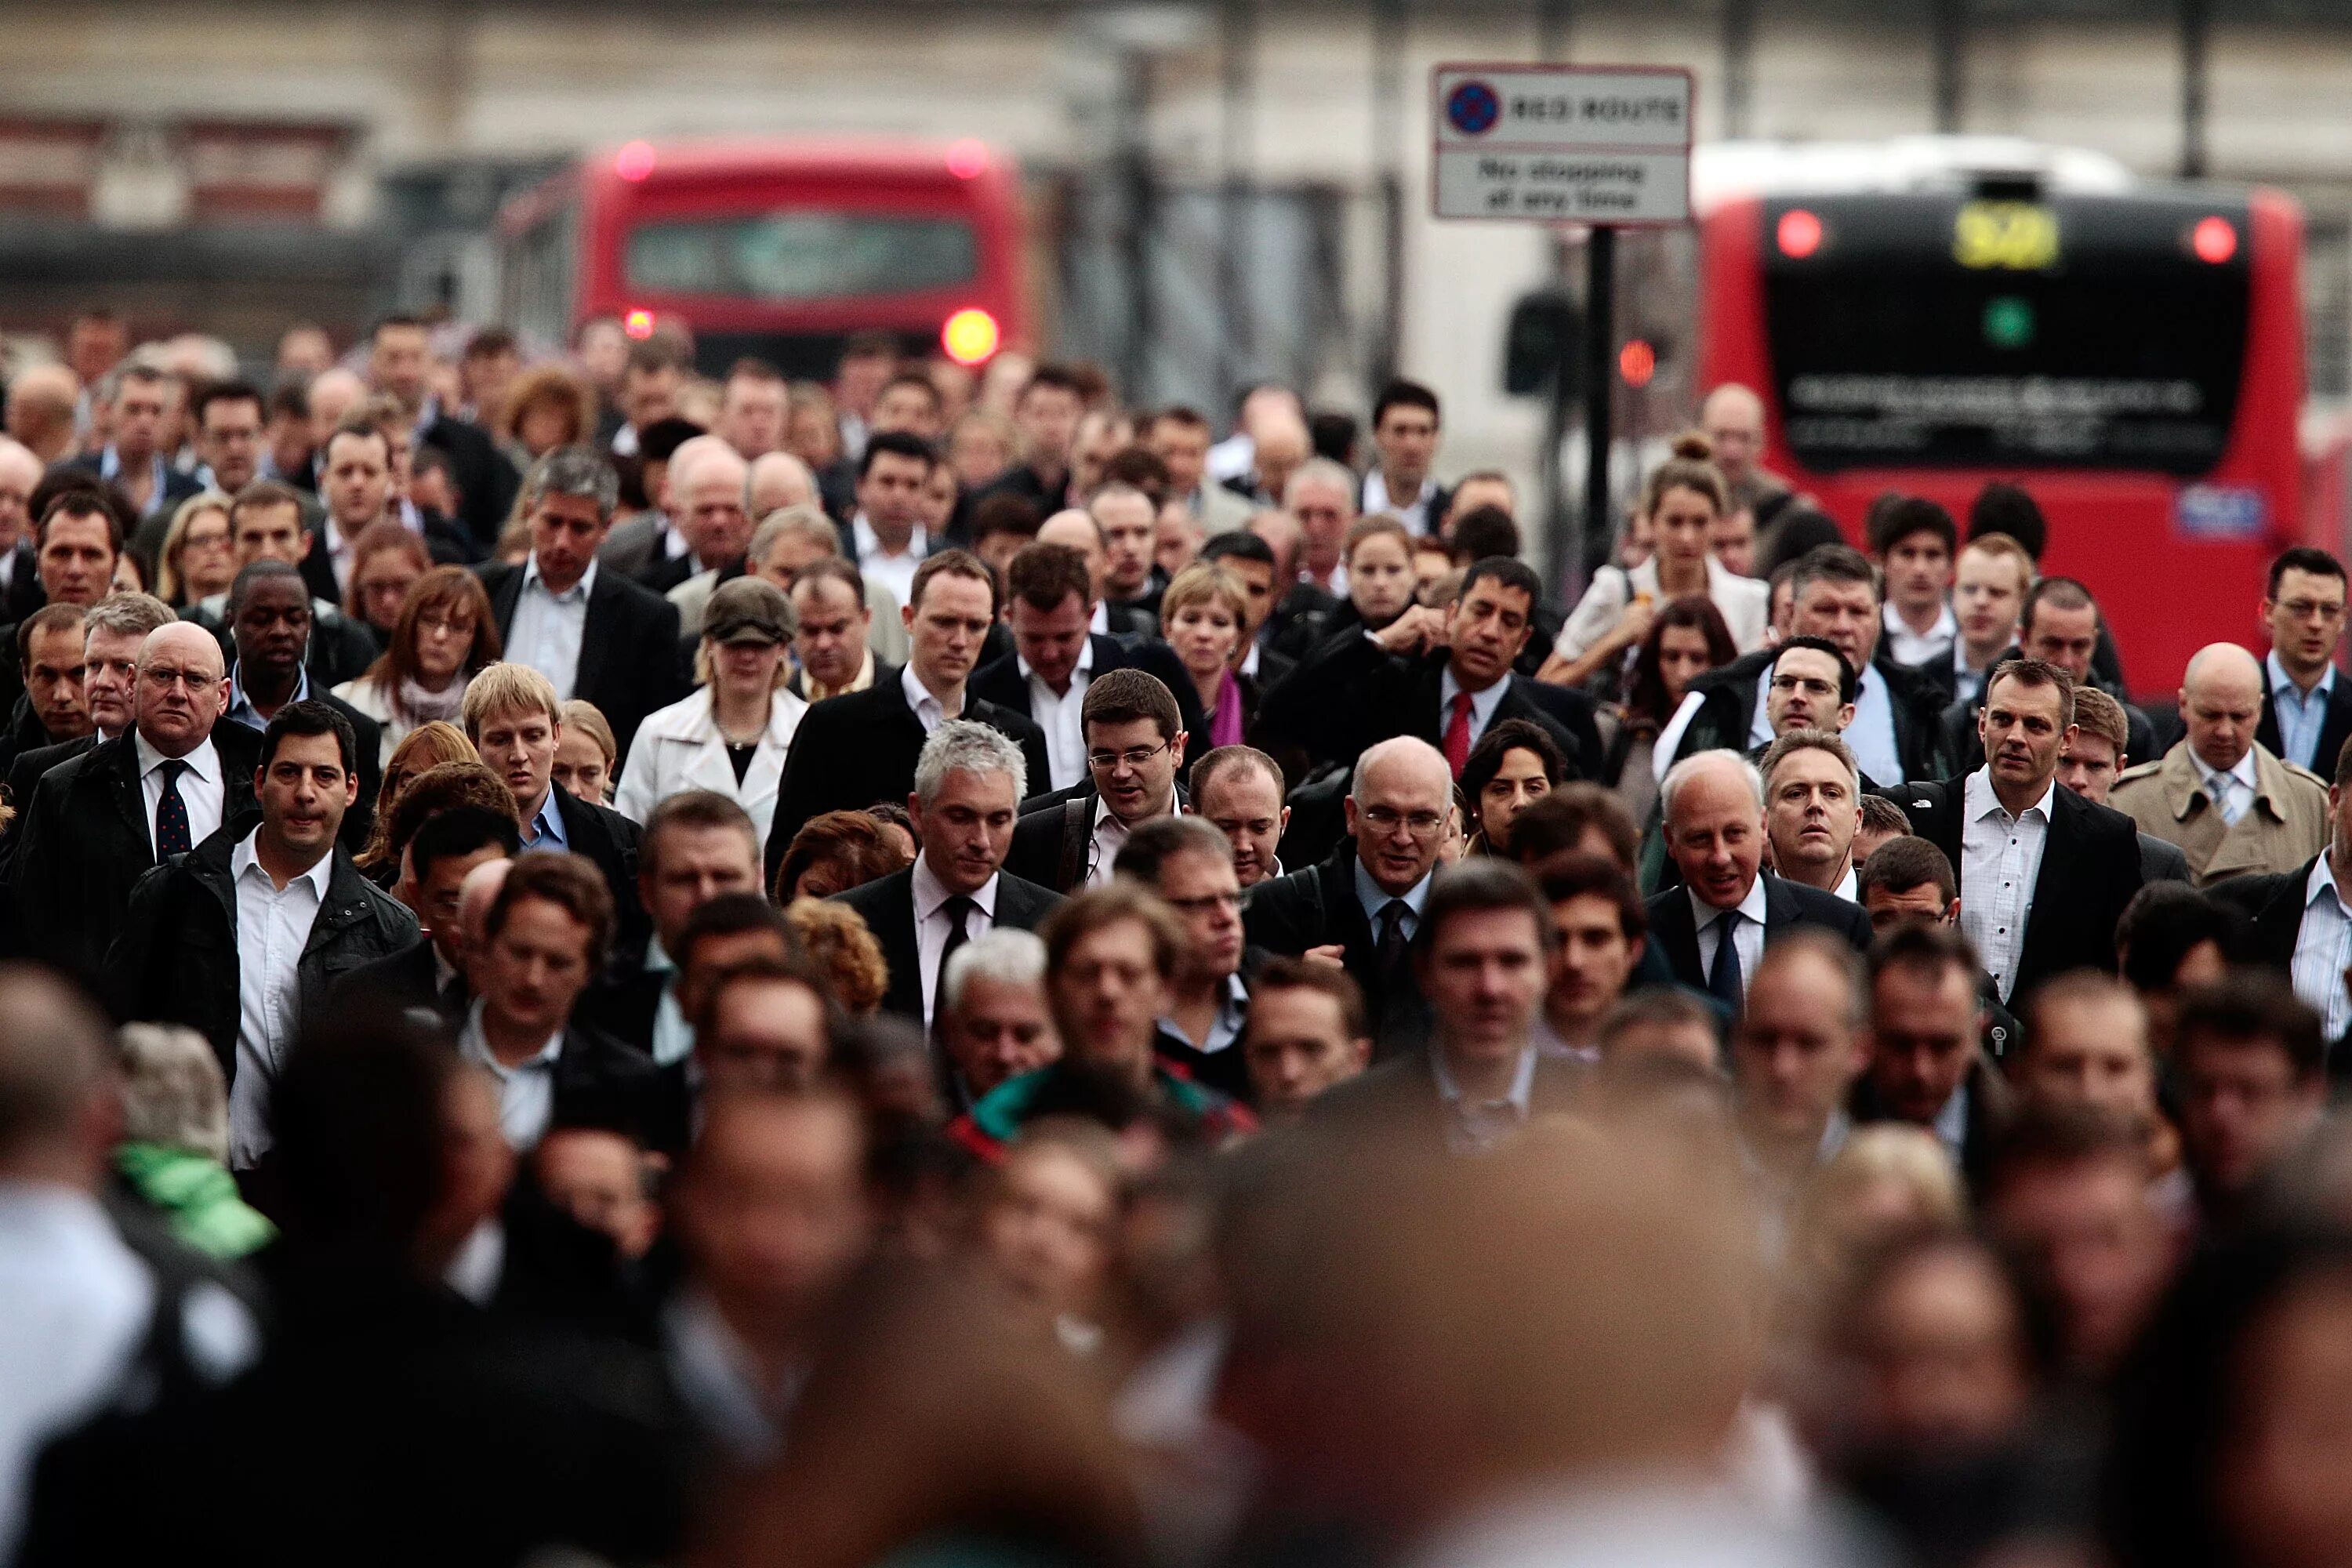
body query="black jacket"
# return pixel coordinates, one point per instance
(367, 754)
(611, 840)
(887, 907)
(1316, 906)
(628, 646)
(84, 841)
(1050, 841)
(1002, 682)
(2333, 729)
(855, 750)
(23, 734)
(487, 482)
(2272, 904)
(1788, 906)
(2090, 870)
(600, 1082)
(406, 982)
(342, 646)
(1964, 751)
(1727, 711)
(1989, 1110)
(1401, 1097)
(176, 958)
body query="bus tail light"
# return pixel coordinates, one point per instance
(967, 158)
(634, 160)
(637, 323)
(970, 335)
(1799, 234)
(2213, 241)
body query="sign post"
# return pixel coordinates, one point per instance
(1604, 146)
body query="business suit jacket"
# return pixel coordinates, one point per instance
(1402, 1098)
(1316, 906)
(1002, 682)
(177, 486)
(1991, 1105)
(2272, 904)
(24, 733)
(487, 482)
(1788, 906)
(2160, 860)
(407, 981)
(600, 1082)
(612, 841)
(853, 751)
(2334, 729)
(25, 593)
(1727, 713)
(2090, 870)
(2286, 823)
(635, 545)
(628, 646)
(1051, 836)
(887, 907)
(84, 841)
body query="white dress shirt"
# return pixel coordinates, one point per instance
(1473, 1127)
(1952, 1125)
(673, 1036)
(1904, 645)
(339, 553)
(1066, 732)
(1482, 704)
(895, 572)
(273, 927)
(1748, 941)
(1109, 834)
(549, 628)
(2323, 949)
(933, 925)
(526, 1090)
(929, 711)
(202, 788)
(2000, 859)
(1416, 512)
(2232, 792)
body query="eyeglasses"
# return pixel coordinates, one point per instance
(463, 628)
(1809, 687)
(1386, 820)
(1134, 757)
(2306, 610)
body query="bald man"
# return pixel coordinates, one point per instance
(84, 841)
(41, 402)
(2233, 806)
(1733, 420)
(1360, 907)
(20, 473)
(779, 479)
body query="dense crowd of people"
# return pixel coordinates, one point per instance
(934, 967)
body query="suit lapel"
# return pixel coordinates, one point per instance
(595, 634)
(122, 785)
(1677, 931)
(901, 948)
(2058, 849)
(508, 596)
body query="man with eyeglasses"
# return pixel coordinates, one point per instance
(1189, 863)
(1067, 840)
(1360, 907)
(2306, 712)
(98, 821)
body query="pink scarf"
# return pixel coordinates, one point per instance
(1225, 725)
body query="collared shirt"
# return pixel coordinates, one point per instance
(1376, 500)
(818, 693)
(1968, 682)
(1549, 1041)
(1232, 1017)
(202, 789)
(2232, 791)
(546, 829)
(895, 572)
(526, 1090)
(1482, 703)
(1951, 1126)
(549, 628)
(933, 924)
(110, 468)
(673, 1036)
(2000, 859)
(1849, 885)
(2323, 949)
(1474, 1127)
(1066, 733)
(339, 553)
(273, 927)
(929, 711)
(1904, 645)
(1109, 834)
(240, 706)
(1871, 736)
(1748, 941)
(1335, 584)
(1374, 899)
(2301, 716)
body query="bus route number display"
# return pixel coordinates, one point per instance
(2014, 236)
(1602, 145)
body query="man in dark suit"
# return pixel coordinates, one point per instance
(269, 625)
(2044, 873)
(1928, 1065)
(49, 658)
(1050, 603)
(2306, 709)
(1444, 676)
(595, 634)
(515, 723)
(1189, 862)
(398, 360)
(426, 979)
(1078, 530)
(1134, 737)
(1714, 927)
(2299, 920)
(1404, 431)
(1482, 957)
(698, 846)
(1363, 903)
(112, 631)
(853, 751)
(967, 782)
(133, 462)
(99, 821)
(636, 548)
(75, 549)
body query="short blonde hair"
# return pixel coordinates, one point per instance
(588, 719)
(507, 687)
(2002, 547)
(1206, 581)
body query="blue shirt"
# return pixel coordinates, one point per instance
(546, 830)
(241, 708)
(2301, 716)
(1374, 899)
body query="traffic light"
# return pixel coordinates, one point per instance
(1545, 338)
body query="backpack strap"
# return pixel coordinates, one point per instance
(1078, 827)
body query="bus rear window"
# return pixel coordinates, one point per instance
(1932, 331)
(795, 256)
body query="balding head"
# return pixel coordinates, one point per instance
(1283, 536)
(779, 479)
(333, 393)
(20, 474)
(476, 894)
(41, 400)
(57, 1117)
(1715, 825)
(1081, 532)
(681, 464)
(1733, 420)
(1397, 802)
(180, 692)
(2221, 703)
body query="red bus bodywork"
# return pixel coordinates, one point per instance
(2167, 583)
(580, 223)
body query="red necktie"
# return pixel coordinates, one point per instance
(1457, 735)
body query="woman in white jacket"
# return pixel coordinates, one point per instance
(731, 735)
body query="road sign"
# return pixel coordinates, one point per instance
(1594, 144)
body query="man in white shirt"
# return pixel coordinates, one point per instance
(355, 481)
(1240, 790)
(1135, 738)
(1321, 497)
(887, 532)
(1599, 916)
(2005, 813)
(1187, 862)
(1914, 540)
(1987, 595)
(1054, 650)
(1812, 809)
(1404, 431)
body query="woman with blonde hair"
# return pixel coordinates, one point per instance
(587, 756)
(419, 752)
(1203, 612)
(196, 559)
(445, 635)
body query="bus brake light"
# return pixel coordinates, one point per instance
(1637, 362)
(634, 160)
(638, 324)
(2214, 240)
(967, 158)
(1799, 234)
(970, 336)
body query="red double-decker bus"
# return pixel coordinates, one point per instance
(779, 248)
(1929, 317)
